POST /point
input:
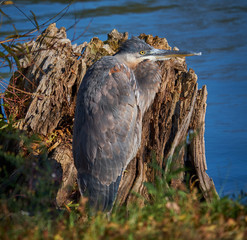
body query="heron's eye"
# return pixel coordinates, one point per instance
(142, 52)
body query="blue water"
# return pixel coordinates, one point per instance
(216, 28)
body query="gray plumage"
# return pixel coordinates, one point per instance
(113, 96)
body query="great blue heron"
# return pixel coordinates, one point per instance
(112, 99)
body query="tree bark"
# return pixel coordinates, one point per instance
(52, 72)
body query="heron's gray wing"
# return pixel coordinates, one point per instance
(105, 129)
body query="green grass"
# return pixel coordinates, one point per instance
(28, 209)
(181, 218)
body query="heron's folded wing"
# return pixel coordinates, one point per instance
(105, 123)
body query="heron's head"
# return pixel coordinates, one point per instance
(135, 50)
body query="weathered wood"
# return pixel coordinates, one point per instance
(53, 67)
(63, 155)
(53, 72)
(196, 147)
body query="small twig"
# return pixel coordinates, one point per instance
(25, 92)
(83, 31)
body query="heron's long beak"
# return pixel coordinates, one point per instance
(159, 54)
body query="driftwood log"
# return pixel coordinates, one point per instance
(51, 72)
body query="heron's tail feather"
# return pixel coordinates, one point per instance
(101, 196)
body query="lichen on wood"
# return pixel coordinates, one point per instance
(51, 73)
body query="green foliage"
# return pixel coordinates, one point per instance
(27, 183)
(10, 54)
(27, 210)
(181, 216)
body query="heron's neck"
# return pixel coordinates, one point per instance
(148, 78)
(129, 60)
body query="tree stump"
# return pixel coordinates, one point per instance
(51, 72)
